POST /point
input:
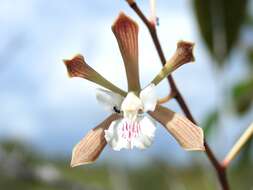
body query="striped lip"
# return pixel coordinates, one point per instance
(127, 134)
(130, 130)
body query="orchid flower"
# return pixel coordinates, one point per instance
(133, 114)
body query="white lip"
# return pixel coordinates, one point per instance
(124, 133)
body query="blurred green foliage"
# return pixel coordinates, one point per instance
(243, 95)
(26, 170)
(210, 122)
(250, 56)
(220, 22)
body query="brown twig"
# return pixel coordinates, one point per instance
(220, 170)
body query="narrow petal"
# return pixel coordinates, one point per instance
(77, 67)
(90, 147)
(109, 100)
(149, 98)
(183, 55)
(126, 33)
(188, 135)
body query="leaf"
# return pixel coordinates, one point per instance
(243, 95)
(219, 23)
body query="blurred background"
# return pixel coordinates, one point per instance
(44, 113)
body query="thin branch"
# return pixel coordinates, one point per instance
(221, 171)
(238, 145)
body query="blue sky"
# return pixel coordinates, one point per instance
(44, 107)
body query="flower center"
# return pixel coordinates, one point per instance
(131, 106)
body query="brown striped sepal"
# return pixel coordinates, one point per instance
(188, 135)
(77, 67)
(183, 54)
(126, 33)
(90, 147)
(130, 2)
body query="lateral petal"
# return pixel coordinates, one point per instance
(109, 99)
(149, 98)
(77, 67)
